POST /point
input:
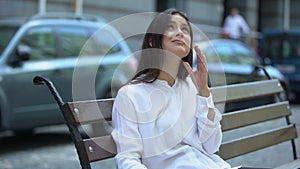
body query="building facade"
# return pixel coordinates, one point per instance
(207, 15)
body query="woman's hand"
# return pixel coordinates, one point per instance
(199, 76)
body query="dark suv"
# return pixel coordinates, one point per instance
(281, 49)
(81, 53)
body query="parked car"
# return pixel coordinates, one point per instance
(50, 46)
(281, 48)
(231, 61)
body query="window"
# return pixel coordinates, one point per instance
(272, 47)
(245, 55)
(6, 33)
(211, 55)
(165, 4)
(81, 41)
(226, 54)
(291, 46)
(41, 41)
(71, 40)
(102, 42)
(286, 48)
(282, 46)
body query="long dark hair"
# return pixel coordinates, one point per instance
(151, 60)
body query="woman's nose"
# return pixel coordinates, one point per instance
(179, 32)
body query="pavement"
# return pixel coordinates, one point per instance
(52, 148)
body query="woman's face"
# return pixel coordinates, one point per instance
(177, 37)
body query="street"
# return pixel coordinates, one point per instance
(52, 148)
(49, 148)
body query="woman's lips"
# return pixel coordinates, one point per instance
(178, 41)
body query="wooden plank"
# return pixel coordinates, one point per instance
(84, 112)
(292, 164)
(255, 142)
(99, 148)
(255, 115)
(248, 90)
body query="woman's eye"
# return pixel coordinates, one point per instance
(186, 30)
(170, 27)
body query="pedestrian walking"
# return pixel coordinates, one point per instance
(234, 25)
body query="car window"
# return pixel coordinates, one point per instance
(245, 55)
(211, 55)
(71, 40)
(291, 46)
(286, 48)
(281, 46)
(104, 42)
(6, 33)
(272, 47)
(41, 41)
(92, 42)
(226, 54)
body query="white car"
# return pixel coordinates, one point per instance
(80, 54)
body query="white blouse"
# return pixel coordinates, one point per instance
(157, 126)
(233, 25)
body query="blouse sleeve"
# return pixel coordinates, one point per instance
(244, 25)
(209, 132)
(126, 134)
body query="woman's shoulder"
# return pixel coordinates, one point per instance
(134, 89)
(136, 95)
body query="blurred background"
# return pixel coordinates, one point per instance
(208, 15)
(32, 130)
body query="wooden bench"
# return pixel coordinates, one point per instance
(98, 148)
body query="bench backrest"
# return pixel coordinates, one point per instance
(98, 148)
(254, 115)
(89, 112)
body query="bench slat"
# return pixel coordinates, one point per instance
(255, 142)
(255, 115)
(84, 112)
(100, 148)
(248, 90)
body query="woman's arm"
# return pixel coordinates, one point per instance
(126, 134)
(209, 130)
(208, 117)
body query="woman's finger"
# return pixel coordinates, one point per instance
(201, 59)
(188, 67)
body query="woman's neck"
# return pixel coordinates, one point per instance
(170, 68)
(169, 73)
(167, 77)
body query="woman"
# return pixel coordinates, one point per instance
(165, 117)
